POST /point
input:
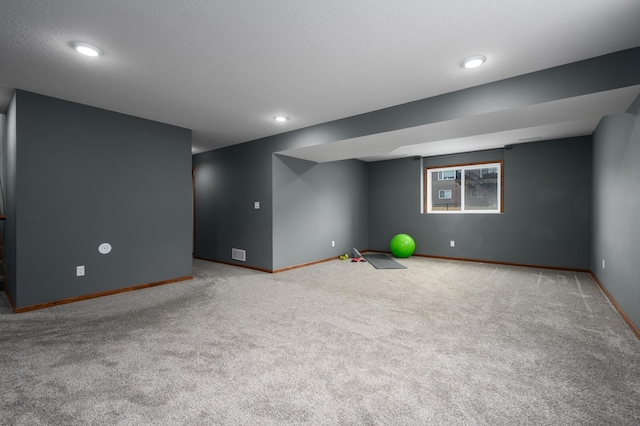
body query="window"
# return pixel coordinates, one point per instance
(444, 194)
(469, 188)
(446, 174)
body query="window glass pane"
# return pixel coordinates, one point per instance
(444, 194)
(445, 191)
(447, 174)
(481, 189)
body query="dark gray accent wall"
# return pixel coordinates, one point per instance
(315, 205)
(3, 154)
(9, 150)
(3, 144)
(546, 219)
(394, 202)
(85, 176)
(548, 202)
(228, 181)
(616, 208)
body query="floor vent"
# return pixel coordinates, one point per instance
(237, 254)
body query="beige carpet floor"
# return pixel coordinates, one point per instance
(338, 343)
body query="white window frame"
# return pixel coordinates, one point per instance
(462, 168)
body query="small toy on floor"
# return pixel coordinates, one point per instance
(354, 255)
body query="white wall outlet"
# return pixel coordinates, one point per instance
(256, 205)
(333, 243)
(452, 243)
(602, 263)
(80, 271)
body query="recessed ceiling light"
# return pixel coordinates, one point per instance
(86, 49)
(474, 61)
(529, 139)
(281, 118)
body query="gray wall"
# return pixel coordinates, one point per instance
(9, 190)
(228, 182)
(3, 154)
(546, 219)
(315, 204)
(86, 176)
(616, 208)
(3, 143)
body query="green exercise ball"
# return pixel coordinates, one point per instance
(402, 245)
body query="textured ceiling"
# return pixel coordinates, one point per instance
(225, 69)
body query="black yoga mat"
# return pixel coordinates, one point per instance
(382, 261)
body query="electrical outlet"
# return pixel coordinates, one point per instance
(256, 205)
(452, 243)
(80, 271)
(333, 243)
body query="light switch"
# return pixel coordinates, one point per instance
(256, 205)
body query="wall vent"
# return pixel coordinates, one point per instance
(237, 254)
